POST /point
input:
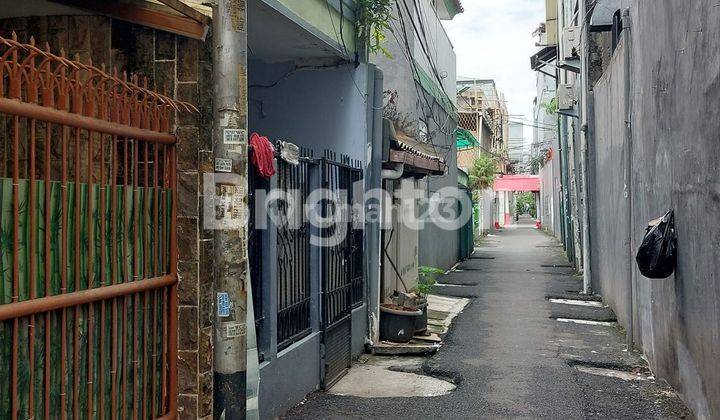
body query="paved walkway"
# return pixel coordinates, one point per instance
(511, 358)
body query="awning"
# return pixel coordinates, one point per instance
(543, 57)
(190, 19)
(465, 139)
(418, 157)
(519, 183)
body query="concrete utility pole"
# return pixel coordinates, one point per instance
(230, 205)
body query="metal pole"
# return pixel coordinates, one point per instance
(584, 93)
(230, 151)
(626, 23)
(374, 182)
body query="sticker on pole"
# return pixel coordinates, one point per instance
(234, 136)
(234, 330)
(223, 165)
(223, 305)
(224, 206)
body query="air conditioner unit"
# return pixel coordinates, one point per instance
(566, 96)
(571, 42)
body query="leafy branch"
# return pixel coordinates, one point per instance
(483, 172)
(373, 21)
(428, 279)
(550, 107)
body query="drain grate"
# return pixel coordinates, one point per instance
(556, 265)
(481, 258)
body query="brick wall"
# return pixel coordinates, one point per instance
(466, 158)
(181, 68)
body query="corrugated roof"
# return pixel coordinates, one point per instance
(415, 147)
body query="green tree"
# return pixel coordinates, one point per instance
(525, 203)
(482, 174)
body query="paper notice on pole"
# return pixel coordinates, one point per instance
(223, 165)
(230, 211)
(235, 329)
(234, 136)
(235, 139)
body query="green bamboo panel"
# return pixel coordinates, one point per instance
(133, 260)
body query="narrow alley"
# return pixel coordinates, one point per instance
(377, 209)
(510, 356)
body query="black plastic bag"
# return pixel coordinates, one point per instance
(657, 256)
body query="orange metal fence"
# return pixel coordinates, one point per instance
(88, 283)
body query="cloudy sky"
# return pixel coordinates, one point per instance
(493, 40)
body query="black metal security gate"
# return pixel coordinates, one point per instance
(293, 254)
(255, 255)
(342, 274)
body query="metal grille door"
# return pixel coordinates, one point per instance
(293, 254)
(342, 276)
(88, 284)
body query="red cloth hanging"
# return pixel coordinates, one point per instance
(263, 155)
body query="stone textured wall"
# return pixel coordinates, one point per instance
(181, 68)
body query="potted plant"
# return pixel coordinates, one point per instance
(397, 322)
(406, 315)
(425, 286)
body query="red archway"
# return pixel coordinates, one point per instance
(520, 183)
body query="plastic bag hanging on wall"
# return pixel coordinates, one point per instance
(657, 256)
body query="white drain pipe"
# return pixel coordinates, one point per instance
(394, 173)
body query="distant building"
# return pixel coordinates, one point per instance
(482, 114)
(518, 148)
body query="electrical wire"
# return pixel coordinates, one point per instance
(420, 95)
(411, 61)
(421, 37)
(341, 37)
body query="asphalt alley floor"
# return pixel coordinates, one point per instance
(510, 357)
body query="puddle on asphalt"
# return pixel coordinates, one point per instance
(375, 379)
